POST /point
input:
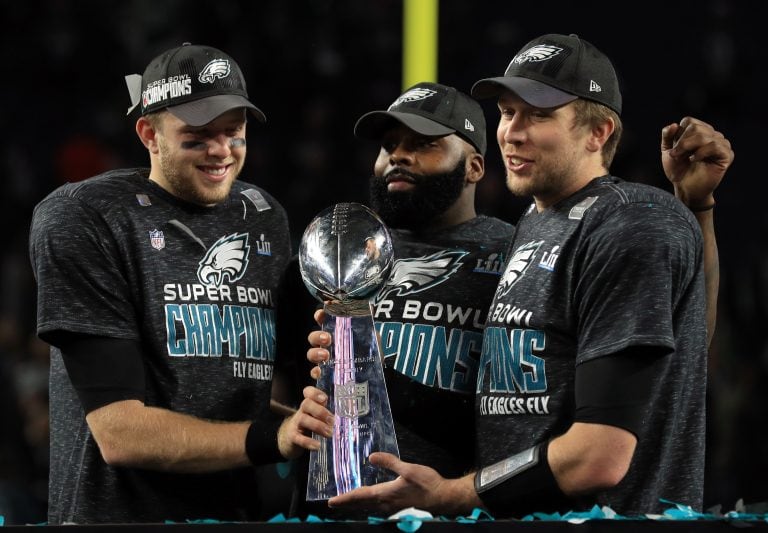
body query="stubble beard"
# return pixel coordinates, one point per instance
(186, 186)
(547, 180)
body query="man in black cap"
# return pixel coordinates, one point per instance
(596, 393)
(429, 314)
(448, 259)
(591, 381)
(156, 291)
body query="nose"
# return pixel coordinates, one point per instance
(400, 154)
(220, 146)
(511, 130)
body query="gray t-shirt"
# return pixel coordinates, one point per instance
(430, 316)
(615, 266)
(117, 256)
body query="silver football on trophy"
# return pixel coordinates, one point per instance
(345, 253)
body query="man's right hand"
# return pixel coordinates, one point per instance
(319, 340)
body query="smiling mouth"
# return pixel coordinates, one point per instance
(217, 171)
(518, 164)
(514, 160)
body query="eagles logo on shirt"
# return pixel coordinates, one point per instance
(410, 276)
(226, 260)
(518, 264)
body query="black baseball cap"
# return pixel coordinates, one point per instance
(196, 83)
(429, 109)
(555, 69)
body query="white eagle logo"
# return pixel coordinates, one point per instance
(226, 260)
(417, 93)
(215, 69)
(410, 276)
(540, 52)
(517, 266)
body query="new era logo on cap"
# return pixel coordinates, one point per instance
(429, 109)
(555, 69)
(196, 83)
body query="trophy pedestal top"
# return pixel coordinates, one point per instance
(348, 307)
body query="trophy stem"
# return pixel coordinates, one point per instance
(347, 435)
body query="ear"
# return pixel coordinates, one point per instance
(600, 135)
(475, 167)
(147, 134)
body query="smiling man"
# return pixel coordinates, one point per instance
(157, 292)
(591, 380)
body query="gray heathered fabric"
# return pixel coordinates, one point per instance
(629, 273)
(98, 273)
(430, 323)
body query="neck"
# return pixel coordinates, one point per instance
(569, 187)
(461, 211)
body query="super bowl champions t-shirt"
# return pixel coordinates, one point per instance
(616, 265)
(430, 315)
(117, 256)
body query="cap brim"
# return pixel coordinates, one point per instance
(373, 125)
(201, 112)
(533, 92)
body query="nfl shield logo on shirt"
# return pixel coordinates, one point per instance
(157, 239)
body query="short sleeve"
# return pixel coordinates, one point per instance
(636, 268)
(81, 287)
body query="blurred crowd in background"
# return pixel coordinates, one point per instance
(315, 66)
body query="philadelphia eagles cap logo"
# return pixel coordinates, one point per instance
(540, 52)
(517, 266)
(217, 68)
(226, 260)
(415, 94)
(410, 276)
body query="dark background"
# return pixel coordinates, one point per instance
(314, 66)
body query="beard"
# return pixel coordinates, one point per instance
(179, 175)
(431, 195)
(549, 178)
